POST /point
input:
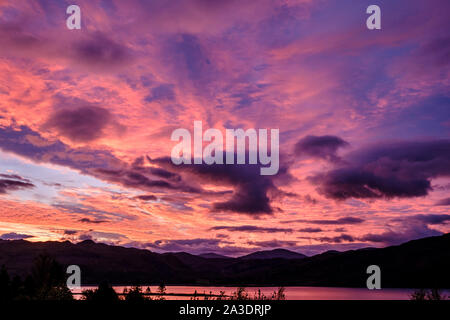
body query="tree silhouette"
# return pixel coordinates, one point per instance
(49, 279)
(103, 294)
(5, 290)
(135, 295)
(161, 291)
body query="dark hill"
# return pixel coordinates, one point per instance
(418, 263)
(274, 254)
(212, 255)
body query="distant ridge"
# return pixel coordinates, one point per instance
(274, 254)
(414, 264)
(212, 255)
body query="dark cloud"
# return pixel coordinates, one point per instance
(432, 218)
(70, 232)
(248, 228)
(165, 174)
(322, 147)
(390, 237)
(83, 124)
(222, 236)
(87, 220)
(100, 52)
(101, 164)
(13, 176)
(400, 169)
(25, 142)
(148, 197)
(13, 182)
(443, 202)
(272, 244)
(347, 183)
(250, 198)
(344, 220)
(84, 237)
(252, 192)
(191, 56)
(337, 239)
(15, 40)
(163, 92)
(310, 230)
(140, 179)
(14, 236)
(197, 246)
(436, 51)
(174, 245)
(89, 211)
(110, 238)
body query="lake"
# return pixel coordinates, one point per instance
(292, 293)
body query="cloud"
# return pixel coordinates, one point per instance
(82, 124)
(28, 143)
(252, 193)
(250, 198)
(70, 232)
(272, 244)
(337, 239)
(397, 169)
(140, 178)
(310, 230)
(14, 236)
(111, 238)
(321, 147)
(339, 221)
(98, 51)
(197, 246)
(248, 228)
(432, 218)
(13, 183)
(443, 202)
(148, 197)
(163, 92)
(87, 220)
(397, 237)
(188, 54)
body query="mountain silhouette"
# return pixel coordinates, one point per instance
(418, 263)
(212, 255)
(273, 254)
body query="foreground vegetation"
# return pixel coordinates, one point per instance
(105, 293)
(47, 281)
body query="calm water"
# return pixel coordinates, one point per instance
(292, 293)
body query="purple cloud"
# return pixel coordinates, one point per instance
(310, 230)
(13, 183)
(397, 237)
(83, 124)
(432, 218)
(148, 197)
(14, 236)
(443, 202)
(321, 147)
(399, 169)
(100, 52)
(248, 228)
(337, 239)
(87, 220)
(339, 221)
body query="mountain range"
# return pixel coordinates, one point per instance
(417, 263)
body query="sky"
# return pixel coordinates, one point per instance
(86, 118)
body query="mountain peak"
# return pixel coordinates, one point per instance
(274, 254)
(212, 255)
